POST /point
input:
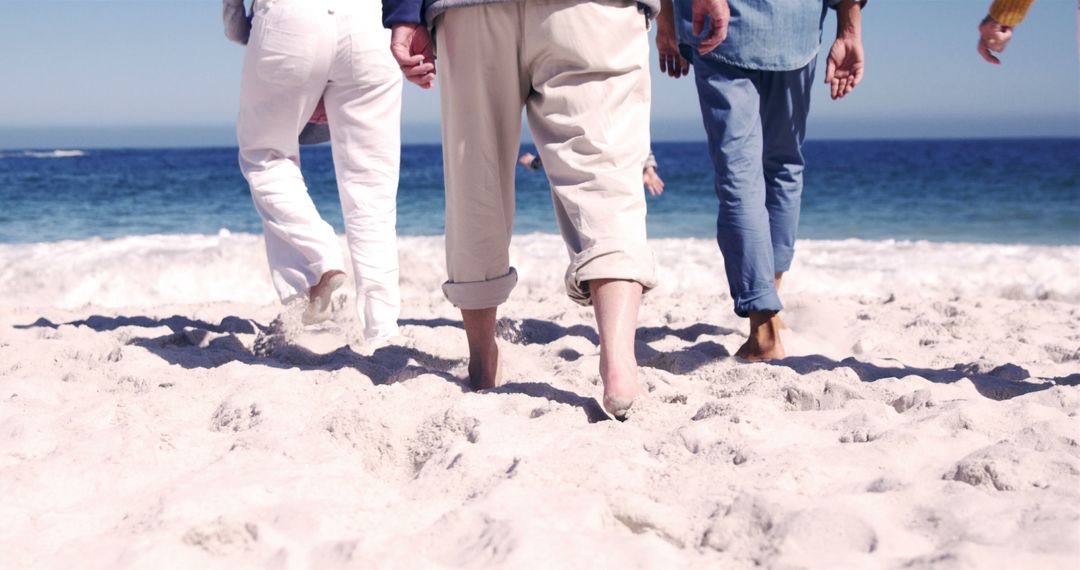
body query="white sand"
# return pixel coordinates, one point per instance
(926, 418)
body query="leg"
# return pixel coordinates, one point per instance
(285, 71)
(363, 104)
(785, 105)
(482, 94)
(589, 115)
(729, 107)
(484, 365)
(616, 302)
(729, 99)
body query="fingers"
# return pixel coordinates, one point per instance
(677, 66)
(422, 74)
(718, 14)
(671, 62)
(411, 48)
(718, 28)
(403, 57)
(993, 37)
(848, 80)
(985, 53)
(998, 41)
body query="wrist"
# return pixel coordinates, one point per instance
(849, 21)
(849, 33)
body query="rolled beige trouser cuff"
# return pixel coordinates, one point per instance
(481, 294)
(609, 260)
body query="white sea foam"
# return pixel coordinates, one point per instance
(43, 154)
(163, 269)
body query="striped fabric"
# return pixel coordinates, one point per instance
(1010, 12)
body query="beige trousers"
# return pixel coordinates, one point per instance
(581, 71)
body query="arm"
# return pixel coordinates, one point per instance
(995, 30)
(846, 61)
(667, 47)
(1010, 12)
(410, 41)
(237, 25)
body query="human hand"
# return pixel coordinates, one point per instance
(719, 16)
(411, 46)
(845, 65)
(319, 116)
(653, 183)
(993, 37)
(671, 61)
(526, 160)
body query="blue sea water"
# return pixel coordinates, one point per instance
(999, 191)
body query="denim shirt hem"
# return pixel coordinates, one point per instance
(756, 64)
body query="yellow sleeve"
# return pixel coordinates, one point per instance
(1010, 12)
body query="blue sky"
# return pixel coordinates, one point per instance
(160, 72)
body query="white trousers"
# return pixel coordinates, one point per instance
(299, 51)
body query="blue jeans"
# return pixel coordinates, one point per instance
(756, 123)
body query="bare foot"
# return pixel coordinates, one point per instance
(319, 297)
(764, 342)
(485, 370)
(621, 387)
(616, 303)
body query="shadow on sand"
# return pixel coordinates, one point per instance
(993, 385)
(200, 344)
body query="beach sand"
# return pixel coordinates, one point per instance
(154, 415)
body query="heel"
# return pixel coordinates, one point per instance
(618, 407)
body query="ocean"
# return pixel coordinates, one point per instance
(976, 191)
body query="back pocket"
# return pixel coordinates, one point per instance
(371, 60)
(285, 57)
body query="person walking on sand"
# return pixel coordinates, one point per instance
(587, 98)
(753, 68)
(308, 57)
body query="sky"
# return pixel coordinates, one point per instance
(161, 73)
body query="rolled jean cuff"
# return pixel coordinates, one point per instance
(782, 258)
(481, 294)
(609, 261)
(758, 300)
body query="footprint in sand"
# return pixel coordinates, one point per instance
(235, 419)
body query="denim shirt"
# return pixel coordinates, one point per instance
(767, 35)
